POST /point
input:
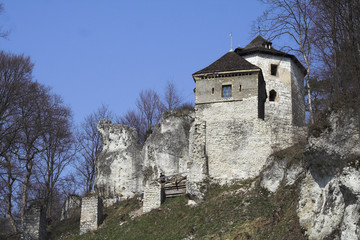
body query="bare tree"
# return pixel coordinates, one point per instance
(338, 41)
(34, 123)
(90, 146)
(59, 149)
(150, 107)
(15, 76)
(293, 18)
(172, 98)
(135, 120)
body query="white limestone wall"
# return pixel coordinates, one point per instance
(197, 171)
(236, 149)
(297, 88)
(281, 109)
(119, 166)
(247, 109)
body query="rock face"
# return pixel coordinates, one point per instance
(124, 167)
(330, 194)
(329, 175)
(119, 168)
(167, 149)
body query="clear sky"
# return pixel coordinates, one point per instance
(106, 51)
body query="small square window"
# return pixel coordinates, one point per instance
(226, 91)
(273, 69)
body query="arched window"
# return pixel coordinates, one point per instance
(272, 95)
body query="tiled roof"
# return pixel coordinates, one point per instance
(259, 41)
(229, 62)
(260, 45)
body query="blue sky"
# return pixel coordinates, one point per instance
(105, 52)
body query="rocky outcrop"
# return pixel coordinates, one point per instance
(167, 149)
(329, 201)
(327, 169)
(119, 166)
(124, 167)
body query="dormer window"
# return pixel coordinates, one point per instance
(226, 91)
(273, 69)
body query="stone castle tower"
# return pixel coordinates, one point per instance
(254, 81)
(248, 103)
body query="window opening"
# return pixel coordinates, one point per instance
(273, 69)
(272, 95)
(240, 88)
(226, 91)
(212, 91)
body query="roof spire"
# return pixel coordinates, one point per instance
(231, 43)
(259, 29)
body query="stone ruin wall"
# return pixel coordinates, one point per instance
(124, 168)
(71, 207)
(91, 213)
(152, 196)
(34, 223)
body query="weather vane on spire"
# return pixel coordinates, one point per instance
(231, 45)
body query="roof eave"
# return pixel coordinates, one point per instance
(198, 75)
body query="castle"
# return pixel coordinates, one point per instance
(248, 104)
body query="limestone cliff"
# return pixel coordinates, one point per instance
(119, 165)
(328, 172)
(167, 149)
(124, 166)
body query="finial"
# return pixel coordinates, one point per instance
(259, 29)
(231, 44)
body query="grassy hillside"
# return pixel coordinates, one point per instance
(241, 211)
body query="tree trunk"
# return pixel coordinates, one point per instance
(24, 192)
(9, 200)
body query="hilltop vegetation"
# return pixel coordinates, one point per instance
(242, 211)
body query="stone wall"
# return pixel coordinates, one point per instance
(152, 196)
(243, 86)
(198, 169)
(34, 223)
(288, 107)
(91, 213)
(119, 166)
(71, 207)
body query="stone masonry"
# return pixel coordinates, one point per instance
(152, 196)
(91, 213)
(34, 223)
